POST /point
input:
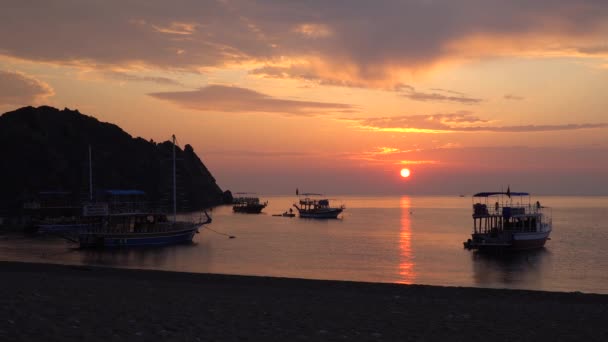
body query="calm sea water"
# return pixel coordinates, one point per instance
(407, 239)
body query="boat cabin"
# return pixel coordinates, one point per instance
(507, 213)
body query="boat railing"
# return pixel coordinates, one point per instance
(246, 200)
(511, 210)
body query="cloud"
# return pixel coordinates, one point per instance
(177, 28)
(354, 42)
(234, 99)
(256, 154)
(386, 156)
(121, 76)
(314, 31)
(513, 97)
(488, 157)
(17, 88)
(407, 91)
(594, 50)
(453, 96)
(456, 122)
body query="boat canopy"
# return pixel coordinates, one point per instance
(488, 194)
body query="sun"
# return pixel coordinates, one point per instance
(405, 173)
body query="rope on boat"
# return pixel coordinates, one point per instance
(215, 231)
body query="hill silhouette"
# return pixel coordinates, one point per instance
(46, 149)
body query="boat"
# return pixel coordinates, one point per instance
(286, 214)
(132, 230)
(310, 207)
(248, 205)
(134, 225)
(512, 222)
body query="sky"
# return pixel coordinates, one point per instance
(334, 97)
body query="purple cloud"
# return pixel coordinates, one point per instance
(221, 98)
(17, 88)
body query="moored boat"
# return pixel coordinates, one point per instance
(317, 208)
(133, 225)
(248, 205)
(512, 222)
(133, 230)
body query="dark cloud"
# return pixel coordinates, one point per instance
(355, 41)
(459, 122)
(19, 89)
(234, 99)
(594, 50)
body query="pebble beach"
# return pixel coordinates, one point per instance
(82, 303)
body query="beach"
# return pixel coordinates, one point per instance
(75, 303)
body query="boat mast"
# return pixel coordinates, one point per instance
(174, 186)
(90, 176)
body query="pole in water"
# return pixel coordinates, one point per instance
(174, 189)
(90, 176)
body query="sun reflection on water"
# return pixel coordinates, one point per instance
(407, 274)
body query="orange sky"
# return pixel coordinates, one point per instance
(334, 96)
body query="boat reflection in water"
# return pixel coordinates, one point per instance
(512, 270)
(406, 263)
(143, 257)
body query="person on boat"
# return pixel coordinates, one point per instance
(496, 206)
(538, 206)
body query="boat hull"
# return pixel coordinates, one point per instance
(529, 240)
(109, 240)
(517, 241)
(321, 214)
(249, 209)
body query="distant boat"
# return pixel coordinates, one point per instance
(248, 205)
(505, 225)
(313, 208)
(286, 214)
(133, 225)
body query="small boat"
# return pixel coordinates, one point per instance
(286, 214)
(513, 222)
(317, 208)
(248, 205)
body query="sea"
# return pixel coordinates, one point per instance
(389, 239)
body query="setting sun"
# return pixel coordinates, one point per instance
(405, 173)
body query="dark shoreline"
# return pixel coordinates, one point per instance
(67, 303)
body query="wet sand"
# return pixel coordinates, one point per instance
(41, 302)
